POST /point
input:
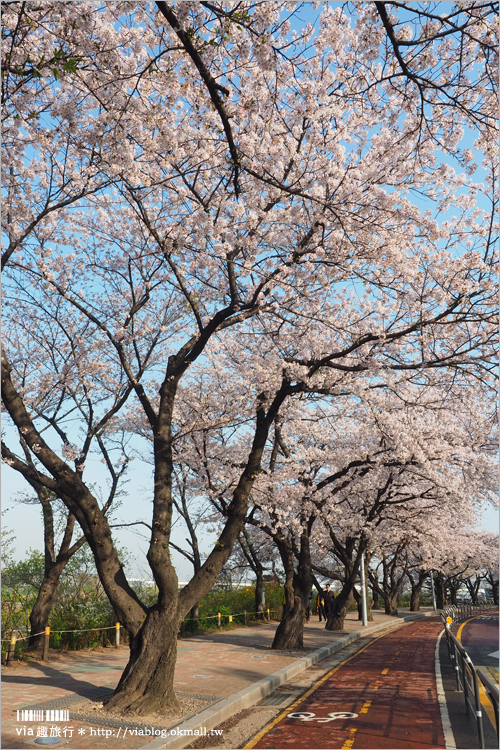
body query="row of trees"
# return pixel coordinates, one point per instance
(397, 578)
(264, 246)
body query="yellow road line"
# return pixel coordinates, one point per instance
(348, 744)
(365, 708)
(293, 706)
(486, 704)
(384, 671)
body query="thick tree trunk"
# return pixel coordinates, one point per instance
(494, 591)
(147, 684)
(290, 632)
(375, 597)
(439, 591)
(260, 594)
(453, 589)
(391, 603)
(342, 602)
(415, 599)
(39, 616)
(340, 607)
(416, 590)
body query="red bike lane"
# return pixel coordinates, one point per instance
(382, 697)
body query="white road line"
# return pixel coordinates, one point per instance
(449, 739)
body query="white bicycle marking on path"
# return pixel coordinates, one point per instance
(308, 716)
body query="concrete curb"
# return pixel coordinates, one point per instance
(449, 738)
(183, 734)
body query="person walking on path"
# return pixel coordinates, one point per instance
(320, 605)
(329, 597)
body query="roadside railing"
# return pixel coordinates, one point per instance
(237, 618)
(464, 611)
(79, 637)
(467, 676)
(96, 633)
(491, 691)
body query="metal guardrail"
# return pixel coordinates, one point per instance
(491, 691)
(464, 611)
(466, 675)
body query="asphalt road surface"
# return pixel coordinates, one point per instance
(479, 637)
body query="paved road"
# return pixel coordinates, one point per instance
(383, 697)
(479, 637)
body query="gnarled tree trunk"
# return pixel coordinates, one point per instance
(53, 566)
(340, 607)
(146, 685)
(391, 603)
(290, 631)
(40, 614)
(260, 593)
(439, 590)
(416, 590)
(343, 601)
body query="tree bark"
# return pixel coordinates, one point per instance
(415, 599)
(343, 601)
(290, 631)
(494, 587)
(416, 590)
(39, 615)
(260, 593)
(252, 558)
(391, 603)
(453, 587)
(494, 590)
(473, 588)
(53, 566)
(146, 685)
(439, 591)
(340, 607)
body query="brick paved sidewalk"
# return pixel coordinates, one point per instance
(209, 668)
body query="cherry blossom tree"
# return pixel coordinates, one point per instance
(381, 473)
(490, 563)
(56, 554)
(269, 221)
(429, 467)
